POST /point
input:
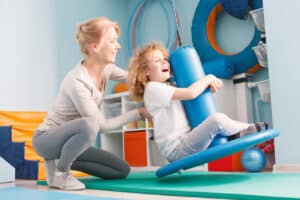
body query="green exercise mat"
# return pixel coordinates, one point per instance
(237, 185)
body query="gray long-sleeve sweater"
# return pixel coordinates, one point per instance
(78, 97)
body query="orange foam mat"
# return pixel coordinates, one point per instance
(24, 124)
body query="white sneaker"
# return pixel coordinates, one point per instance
(66, 181)
(50, 168)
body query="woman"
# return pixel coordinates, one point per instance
(65, 137)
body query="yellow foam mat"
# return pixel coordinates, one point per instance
(24, 125)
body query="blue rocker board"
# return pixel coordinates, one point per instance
(217, 152)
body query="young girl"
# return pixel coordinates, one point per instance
(148, 80)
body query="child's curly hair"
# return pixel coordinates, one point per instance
(138, 66)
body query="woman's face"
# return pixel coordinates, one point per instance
(159, 67)
(108, 46)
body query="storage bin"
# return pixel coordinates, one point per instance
(135, 148)
(229, 163)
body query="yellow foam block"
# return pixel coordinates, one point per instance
(24, 125)
(21, 117)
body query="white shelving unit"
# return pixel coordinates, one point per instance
(114, 140)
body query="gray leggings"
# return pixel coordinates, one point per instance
(71, 142)
(201, 136)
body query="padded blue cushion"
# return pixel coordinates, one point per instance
(221, 68)
(187, 69)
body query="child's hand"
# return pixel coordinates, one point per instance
(215, 83)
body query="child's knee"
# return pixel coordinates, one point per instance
(219, 120)
(218, 117)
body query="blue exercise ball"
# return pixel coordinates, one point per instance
(253, 160)
(218, 140)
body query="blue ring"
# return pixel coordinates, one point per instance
(129, 25)
(161, 5)
(243, 60)
(138, 29)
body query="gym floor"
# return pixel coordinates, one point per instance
(31, 184)
(196, 183)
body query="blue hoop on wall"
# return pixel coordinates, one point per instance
(203, 37)
(236, 8)
(134, 24)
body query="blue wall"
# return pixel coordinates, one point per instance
(232, 35)
(39, 47)
(28, 54)
(69, 13)
(281, 18)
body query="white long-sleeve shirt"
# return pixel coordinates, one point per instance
(78, 97)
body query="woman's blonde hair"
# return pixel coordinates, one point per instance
(138, 66)
(93, 30)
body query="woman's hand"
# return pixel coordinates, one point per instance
(144, 112)
(215, 83)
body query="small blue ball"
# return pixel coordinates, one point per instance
(218, 140)
(253, 160)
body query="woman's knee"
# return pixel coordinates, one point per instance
(120, 173)
(90, 128)
(124, 171)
